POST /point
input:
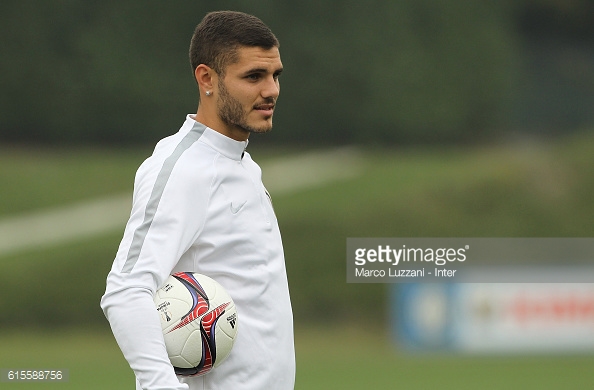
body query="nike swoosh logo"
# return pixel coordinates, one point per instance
(235, 209)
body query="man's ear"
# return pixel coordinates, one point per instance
(204, 76)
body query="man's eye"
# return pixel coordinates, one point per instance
(253, 77)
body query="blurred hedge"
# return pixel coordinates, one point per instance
(410, 71)
(78, 71)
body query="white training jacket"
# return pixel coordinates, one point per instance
(199, 205)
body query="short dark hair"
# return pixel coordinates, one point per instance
(220, 34)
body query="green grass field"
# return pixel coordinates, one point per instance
(337, 358)
(50, 316)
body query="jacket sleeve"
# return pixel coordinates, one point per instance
(168, 213)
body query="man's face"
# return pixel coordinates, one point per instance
(248, 92)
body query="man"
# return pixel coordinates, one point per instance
(199, 205)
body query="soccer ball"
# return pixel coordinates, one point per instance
(199, 322)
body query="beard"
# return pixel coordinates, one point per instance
(232, 113)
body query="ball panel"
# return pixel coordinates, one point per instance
(209, 285)
(192, 350)
(224, 344)
(176, 341)
(179, 361)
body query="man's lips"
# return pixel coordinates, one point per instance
(266, 109)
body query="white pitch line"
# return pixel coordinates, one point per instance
(94, 217)
(84, 219)
(311, 170)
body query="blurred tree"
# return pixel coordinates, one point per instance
(568, 20)
(408, 71)
(412, 71)
(556, 92)
(94, 71)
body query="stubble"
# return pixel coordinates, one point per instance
(232, 113)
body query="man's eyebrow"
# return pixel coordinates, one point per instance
(262, 70)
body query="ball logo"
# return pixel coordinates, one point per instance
(162, 308)
(232, 319)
